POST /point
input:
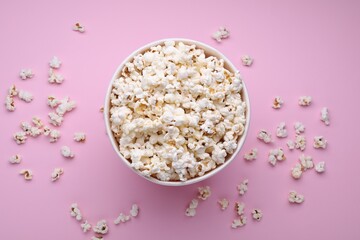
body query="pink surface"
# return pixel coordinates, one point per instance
(300, 48)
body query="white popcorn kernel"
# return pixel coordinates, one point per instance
(26, 127)
(20, 137)
(101, 227)
(281, 131)
(122, 218)
(224, 203)
(9, 103)
(15, 159)
(97, 238)
(55, 119)
(290, 144)
(239, 222)
(34, 131)
(300, 142)
(239, 208)
(79, 28)
(55, 62)
(53, 102)
(276, 155)
(294, 197)
(134, 211)
(75, 212)
(277, 103)
(26, 73)
(204, 192)
(66, 152)
(320, 167)
(65, 106)
(191, 210)
(55, 175)
(305, 100)
(243, 187)
(46, 131)
(222, 33)
(54, 135)
(25, 96)
(37, 122)
(85, 226)
(55, 77)
(246, 60)
(306, 162)
(325, 117)
(296, 171)
(252, 155)
(28, 175)
(257, 214)
(13, 91)
(299, 127)
(79, 137)
(264, 136)
(320, 142)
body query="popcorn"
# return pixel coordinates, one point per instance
(15, 159)
(325, 116)
(66, 152)
(20, 137)
(85, 226)
(320, 167)
(79, 137)
(13, 91)
(79, 28)
(277, 103)
(75, 212)
(55, 77)
(122, 218)
(65, 106)
(134, 210)
(9, 103)
(281, 131)
(296, 171)
(26, 73)
(46, 131)
(290, 144)
(243, 187)
(28, 175)
(299, 127)
(294, 197)
(53, 102)
(101, 227)
(300, 142)
(25, 96)
(264, 136)
(276, 155)
(55, 175)
(251, 155)
(224, 203)
(239, 222)
(37, 122)
(256, 214)
(191, 210)
(34, 131)
(54, 135)
(55, 62)
(204, 192)
(305, 100)
(239, 208)
(55, 119)
(246, 60)
(320, 142)
(222, 33)
(306, 162)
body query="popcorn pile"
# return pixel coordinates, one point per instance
(177, 113)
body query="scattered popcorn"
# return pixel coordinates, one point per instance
(66, 152)
(26, 73)
(325, 116)
(239, 208)
(290, 144)
(239, 222)
(296, 171)
(264, 136)
(320, 142)
(15, 159)
(224, 203)
(75, 212)
(12, 92)
(204, 192)
(55, 77)
(277, 103)
(243, 187)
(306, 162)
(79, 137)
(300, 142)
(294, 197)
(55, 119)
(134, 210)
(25, 96)
(251, 155)
(28, 175)
(122, 218)
(10, 104)
(53, 102)
(276, 155)
(246, 60)
(320, 167)
(281, 131)
(191, 210)
(85, 226)
(101, 227)
(20, 137)
(79, 28)
(54, 135)
(55, 175)
(304, 100)
(37, 122)
(257, 214)
(299, 127)
(55, 62)
(221, 34)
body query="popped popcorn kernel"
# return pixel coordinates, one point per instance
(300, 142)
(243, 187)
(85, 226)
(75, 212)
(66, 105)
(204, 192)
(306, 162)
(257, 214)
(28, 175)
(290, 144)
(299, 127)
(252, 155)
(191, 210)
(277, 103)
(264, 136)
(239, 208)
(34, 131)
(55, 62)
(297, 171)
(55, 119)
(25, 96)
(320, 167)
(20, 137)
(37, 122)
(79, 137)
(294, 197)
(134, 211)
(325, 117)
(276, 155)
(66, 152)
(122, 218)
(53, 102)
(79, 28)
(26, 74)
(222, 33)
(281, 131)
(55, 175)
(16, 159)
(55, 77)
(13, 91)
(224, 203)
(320, 142)
(101, 227)
(305, 101)
(10, 103)
(239, 222)
(54, 135)
(246, 60)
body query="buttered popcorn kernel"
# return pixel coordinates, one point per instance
(294, 197)
(300, 142)
(325, 117)
(246, 60)
(243, 187)
(25, 96)
(320, 167)
(85, 226)
(204, 192)
(28, 174)
(79, 28)
(37, 122)
(101, 227)
(222, 33)
(20, 137)
(277, 103)
(281, 131)
(239, 222)
(252, 155)
(175, 113)
(276, 155)
(13, 91)
(305, 100)
(256, 214)
(264, 136)
(75, 212)
(16, 159)
(320, 142)
(55, 175)
(66, 152)
(10, 103)
(55, 62)
(224, 203)
(26, 73)
(79, 137)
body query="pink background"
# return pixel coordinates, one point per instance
(300, 48)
